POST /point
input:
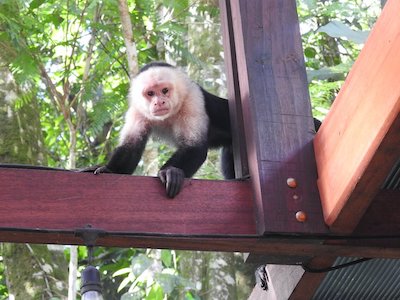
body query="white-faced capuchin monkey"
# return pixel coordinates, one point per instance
(165, 102)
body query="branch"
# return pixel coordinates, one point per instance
(127, 32)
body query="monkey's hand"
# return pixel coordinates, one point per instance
(102, 169)
(173, 179)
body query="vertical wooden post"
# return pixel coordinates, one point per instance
(235, 106)
(278, 124)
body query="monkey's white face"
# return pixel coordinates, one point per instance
(157, 94)
(166, 100)
(159, 97)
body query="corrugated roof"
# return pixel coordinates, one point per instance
(376, 279)
(392, 181)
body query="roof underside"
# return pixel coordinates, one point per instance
(373, 279)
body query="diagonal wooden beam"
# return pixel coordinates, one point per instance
(359, 141)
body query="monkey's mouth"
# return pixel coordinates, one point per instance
(160, 112)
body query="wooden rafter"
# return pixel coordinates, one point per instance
(359, 141)
(358, 144)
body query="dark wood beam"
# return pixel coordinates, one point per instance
(359, 141)
(283, 246)
(111, 202)
(382, 216)
(132, 211)
(310, 282)
(235, 105)
(279, 127)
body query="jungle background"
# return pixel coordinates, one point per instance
(64, 75)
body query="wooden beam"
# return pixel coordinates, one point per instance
(359, 141)
(56, 207)
(68, 201)
(277, 115)
(310, 282)
(285, 247)
(382, 216)
(235, 106)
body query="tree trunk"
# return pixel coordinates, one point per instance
(32, 271)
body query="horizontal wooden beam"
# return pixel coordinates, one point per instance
(284, 247)
(56, 207)
(359, 141)
(56, 200)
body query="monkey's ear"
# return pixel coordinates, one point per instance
(173, 179)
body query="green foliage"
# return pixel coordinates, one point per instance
(153, 275)
(333, 33)
(3, 287)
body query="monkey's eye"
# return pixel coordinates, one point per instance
(150, 93)
(164, 91)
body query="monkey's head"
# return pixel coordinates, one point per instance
(158, 92)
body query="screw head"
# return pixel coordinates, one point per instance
(291, 182)
(301, 216)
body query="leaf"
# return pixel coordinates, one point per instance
(177, 5)
(335, 72)
(122, 272)
(35, 4)
(55, 19)
(124, 283)
(167, 281)
(140, 264)
(310, 52)
(166, 257)
(339, 30)
(156, 293)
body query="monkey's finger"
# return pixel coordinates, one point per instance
(103, 169)
(162, 176)
(171, 188)
(174, 182)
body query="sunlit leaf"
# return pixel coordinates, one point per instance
(122, 271)
(166, 257)
(339, 30)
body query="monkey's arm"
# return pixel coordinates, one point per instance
(183, 163)
(125, 158)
